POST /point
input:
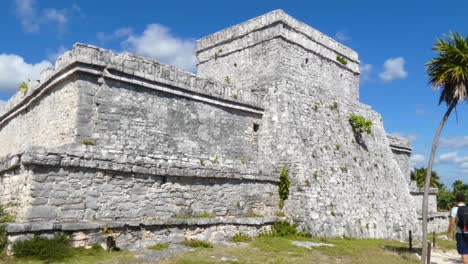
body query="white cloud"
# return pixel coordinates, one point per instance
(454, 142)
(57, 16)
(27, 15)
(117, 34)
(158, 43)
(14, 70)
(32, 19)
(53, 56)
(366, 70)
(460, 163)
(411, 137)
(342, 36)
(394, 68)
(418, 160)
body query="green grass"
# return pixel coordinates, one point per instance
(159, 246)
(81, 256)
(239, 237)
(270, 249)
(443, 244)
(197, 244)
(203, 215)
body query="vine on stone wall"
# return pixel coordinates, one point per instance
(283, 186)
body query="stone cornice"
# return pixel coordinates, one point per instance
(92, 157)
(132, 69)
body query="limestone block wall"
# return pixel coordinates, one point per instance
(273, 46)
(45, 120)
(79, 183)
(340, 186)
(401, 148)
(417, 195)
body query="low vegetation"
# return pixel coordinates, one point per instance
(283, 186)
(197, 243)
(342, 60)
(280, 249)
(241, 238)
(202, 215)
(360, 124)
(159, 246)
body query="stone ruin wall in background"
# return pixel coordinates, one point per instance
(107, 136)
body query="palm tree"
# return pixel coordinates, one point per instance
(447, 72)
(419, 176)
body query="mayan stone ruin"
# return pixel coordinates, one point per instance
(116, 140)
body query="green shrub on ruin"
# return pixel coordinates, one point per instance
(284, 184)
(342, 60)
(44, 249)
(23, 87)
(360, 124)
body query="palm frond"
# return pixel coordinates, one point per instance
(448, 72)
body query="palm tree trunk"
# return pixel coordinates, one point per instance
(428, 181)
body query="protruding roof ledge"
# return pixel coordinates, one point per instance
(272, 18)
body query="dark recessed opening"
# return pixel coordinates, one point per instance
(164, 180)
(307, 60)
(256, 127)
(235, 64)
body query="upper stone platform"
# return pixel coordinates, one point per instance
(273, 46)
(291, 29)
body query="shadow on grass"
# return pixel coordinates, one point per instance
(402, 249)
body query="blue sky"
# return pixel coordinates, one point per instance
(393, 39)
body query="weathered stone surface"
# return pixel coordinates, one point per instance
(108, 136)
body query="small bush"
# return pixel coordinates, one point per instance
(88, 142)
(334, 106)
(360, 124)
(227, 80)
(107, 230)
(42, 248)
(241, 238)
(197, 244)
(342, 60)
(159, 246)
(5, 217)
(283, 188)
(285, 229)
(23, 87)
(281, 204)
(3, 239)
(280, 214)
(202, 162)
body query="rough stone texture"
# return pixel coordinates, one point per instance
(142, 234)
(56, 186)
(276, 46)
(341, 186)
(401, 148)
(417, 194)
(122, 136)
(52, 122)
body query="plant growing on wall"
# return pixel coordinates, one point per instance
(342, 60)
(23, 87)
(283, 187)
(360, 124)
